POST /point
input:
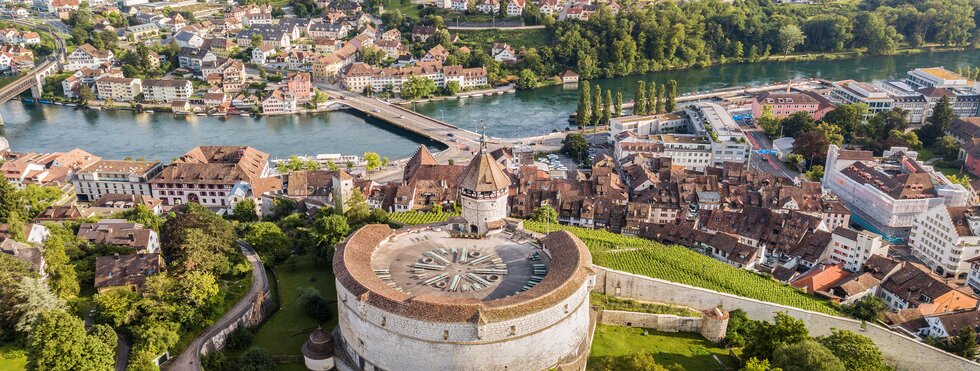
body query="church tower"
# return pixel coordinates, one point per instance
(483, 186)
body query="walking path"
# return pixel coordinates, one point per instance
(190, 358)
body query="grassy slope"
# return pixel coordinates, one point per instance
(518, 39)
(682, 265)
(286, 331)
(689, 350)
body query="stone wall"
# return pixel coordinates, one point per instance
(659, 322)
(259, 307)
(901, 352)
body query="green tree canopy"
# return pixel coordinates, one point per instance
(858, 353)
(59, 342)
(806, 355)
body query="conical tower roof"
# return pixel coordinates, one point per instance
(483, 174)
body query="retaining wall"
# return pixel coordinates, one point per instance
(901, 352)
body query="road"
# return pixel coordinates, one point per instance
(190, 358)
(765, 163)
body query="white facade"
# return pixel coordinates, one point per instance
(118, 88)
(114, 177)
(87, 56)
(167, 90)
(379, 340)
(854, 250)
(945, 244)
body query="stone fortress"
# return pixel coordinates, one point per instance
(476, 293)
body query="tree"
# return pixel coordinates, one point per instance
(831, 133)
(372, 161)
(244, 211)
(812, 145)
(268, 240)
(766, 337)
(527, 80)
(947, 146)
(33, 300)
(964, 343)
(652, 98)
(239, 338)
(796, 124)
(62, 277)
(857, 352)
(640, 98)
(597, 109)
(815, 173)
(670, 99)
(11, 200)
(328, 231)
(848, 117)
(313, 303)
(85, 94)
(789, 37)
(584, 110)
(142, 215)
(755, 364)
(452, 88)
(155, 337)
(938, 122)
(256, 40)
(806, 355)
(869, 308)
(575, 146)
(661, 92)
(372, 55)
(618, 108)
(59, 342)
(117, 307)
(417, 87)
(256, 359)
(872, 32)
(607, 108)
(545, 214)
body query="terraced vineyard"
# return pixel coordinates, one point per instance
(419, 217)
(681, 265)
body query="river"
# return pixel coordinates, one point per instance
(120, 134)
(539, 111)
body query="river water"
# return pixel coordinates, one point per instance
(162, 136)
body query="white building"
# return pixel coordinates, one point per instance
(118, 88)
(87, 56)
(886, 194)
(279, 102)
(852, 248)
(360, 76)
(167, 91)
(115, 177)
(945, 238)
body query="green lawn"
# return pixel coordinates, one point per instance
(12, 357)
(482, 39)
(613, 303)
(408, 9)
(689, 350)
(286, 331)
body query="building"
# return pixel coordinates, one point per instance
(119, 232)
(728, 142)
(852, 248)
(946, 238)
(262, 53)
(936, 77)
(87, 56)
(502, 52)
(784, 104)
(912, 286)
(569, 77)
(298, 84)
(118, 88)
(168, 90)
(515, 8)
(115, 177)
(850, 91)
(128, 272)
(214, 176)
(112, 203)
(422, 33)
(27, 253)
(485, 315)
(278, 102)
(886, 194)
(361, 76)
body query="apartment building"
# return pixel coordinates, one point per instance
(946, 238)
(360, 76)
(214, 176)
(115, 177)
(167, 90)
(784, 104)
(118, 88)
(853, 248)
(87, 56)
(850, 92)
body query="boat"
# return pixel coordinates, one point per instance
(59, 104)
(148, 111)
(201, 114)
(71, 105)
(244, 114)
